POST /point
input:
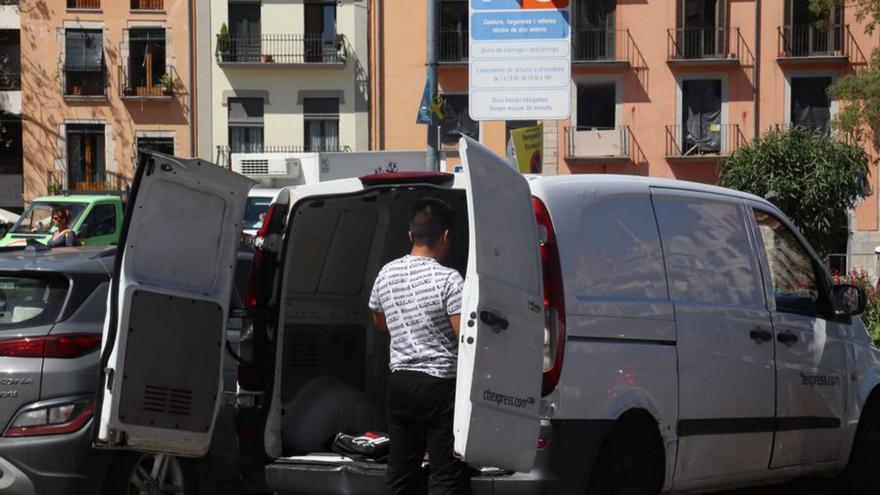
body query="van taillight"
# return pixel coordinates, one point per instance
(554, 299)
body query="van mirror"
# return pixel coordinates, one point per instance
(848, 300)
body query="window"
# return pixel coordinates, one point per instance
(596, 106)
(84, 62)
(101, 221)
(810, 34)
(147, 5)
(791, 268)
(146, 63)
(709, 257)
(810, 103)
(30, 300)
(161, 144)
(10, 145)
(321, 118)
(454, 38)
(594, 29)
(702, 28)
(701, 116)
(320, 31)
(456, 120)
(10, 59)
(620, 255)
(245, 40)
(83, 4)
(510, 126)
(85, 155)
(246, 125)
(37, 218)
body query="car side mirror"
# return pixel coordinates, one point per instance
(848, 300)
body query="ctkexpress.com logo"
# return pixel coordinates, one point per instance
(507, 400)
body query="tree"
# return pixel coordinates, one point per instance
(860, 90)
(814, 178)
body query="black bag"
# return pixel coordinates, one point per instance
(369, 446)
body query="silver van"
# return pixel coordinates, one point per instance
(620, 334)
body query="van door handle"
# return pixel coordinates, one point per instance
(493, 320)
(787, 338)
(761, 335)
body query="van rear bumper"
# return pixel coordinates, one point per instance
(369, 479)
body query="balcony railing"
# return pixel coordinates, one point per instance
(224, 153)
(281, 49)
(83, 4)
(147, 5)
(715, 140)
(811, 41)
(696, 43)
(128, 89)
(596, 144)
(824, 130)
(80, 84)
(603, 45)
(99, 181)
(454, 46)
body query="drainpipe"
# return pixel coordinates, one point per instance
(433, 158)
(756, 113)
(193, 111)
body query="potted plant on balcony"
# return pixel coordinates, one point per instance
(223, 43)
(166, 83)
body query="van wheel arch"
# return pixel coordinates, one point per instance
(861, 476)
(632, 440)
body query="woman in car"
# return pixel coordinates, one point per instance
(62, 235)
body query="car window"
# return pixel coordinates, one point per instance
(101, 221)
(708, 252)
(30, 300)
(792, 270)
(37, 218)
(254, 211)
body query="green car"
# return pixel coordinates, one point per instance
(96, 220)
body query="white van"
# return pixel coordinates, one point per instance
(619, 334)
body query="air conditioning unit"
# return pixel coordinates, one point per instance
(266, 165)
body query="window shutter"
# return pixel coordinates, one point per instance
(246, 111)
(74, 50)
(787, 14)
(722, 27)
(321, 107)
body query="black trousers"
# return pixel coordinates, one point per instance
(420, 414)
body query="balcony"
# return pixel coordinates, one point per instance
(131, 90)
(590, 144)
(454, 47)
(84, 85)
(84, 4)
(224, 153)
(701, 46)
(147, 5)
(282, 50)
(814, 44)
(824, 130)
(604, 47)
(713, 142)
(99, 181)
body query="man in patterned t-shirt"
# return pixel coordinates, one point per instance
(418, 300)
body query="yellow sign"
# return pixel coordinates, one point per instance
(528, 144)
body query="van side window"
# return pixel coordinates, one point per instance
(791, 268)
(620, 255)
(101, 221)
(709, 256)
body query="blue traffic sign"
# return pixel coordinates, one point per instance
(495, 4)
(520, 25)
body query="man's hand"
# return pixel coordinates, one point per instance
(379, 321)
(454, 321)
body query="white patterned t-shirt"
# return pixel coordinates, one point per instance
(417, 295)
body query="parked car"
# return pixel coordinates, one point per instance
(52, 307)
(259, 199)
(619, 334)
(96, 220)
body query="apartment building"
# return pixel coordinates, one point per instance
(664, 88)
(10, 106)
(284, 76)
(100, 79)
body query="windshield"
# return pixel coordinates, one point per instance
(254, 212)
(37, 218)
(30, 300)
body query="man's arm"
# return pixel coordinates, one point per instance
(454, 321)
(379, 321)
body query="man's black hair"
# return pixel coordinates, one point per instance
(430, 218)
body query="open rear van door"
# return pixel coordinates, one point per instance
(164, 334)
(502, 318)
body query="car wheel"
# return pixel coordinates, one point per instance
(862, 476)
(150, 474)
(627, 466)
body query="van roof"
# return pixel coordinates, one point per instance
(639, 182)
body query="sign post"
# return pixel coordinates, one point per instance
(520, 60)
